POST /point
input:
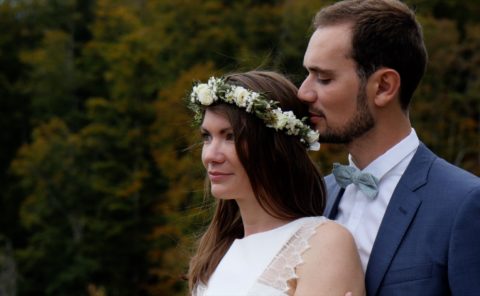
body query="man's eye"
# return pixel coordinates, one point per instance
(324, 80)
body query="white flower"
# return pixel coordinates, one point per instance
(314, 146)
(193, 95)
(241, 96)
(205, 95)
(291, 122)
(230, 96)
(216, 89)
(281, 119)
(312, 136)
(253, 97)
(213, 83)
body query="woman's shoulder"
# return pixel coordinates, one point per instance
(326, 230)
(331, 235)
(323, 235)
(331, 263)
(330, 230)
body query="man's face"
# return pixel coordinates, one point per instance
(336, 97)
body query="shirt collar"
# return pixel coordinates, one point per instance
(392, 157)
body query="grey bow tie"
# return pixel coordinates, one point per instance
(346, 175)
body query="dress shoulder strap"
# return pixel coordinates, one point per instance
(281, 272)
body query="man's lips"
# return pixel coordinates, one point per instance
(315, 117)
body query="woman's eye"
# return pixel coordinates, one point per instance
(205, 137)
(229, 137)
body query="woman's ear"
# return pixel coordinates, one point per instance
(387, 83)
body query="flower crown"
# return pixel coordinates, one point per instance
(255, 103)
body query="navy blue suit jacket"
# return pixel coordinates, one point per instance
(429, 239)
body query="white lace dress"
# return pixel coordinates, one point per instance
(262, 263)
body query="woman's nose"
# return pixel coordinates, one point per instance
(213, 152)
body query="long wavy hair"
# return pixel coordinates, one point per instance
(286, 182)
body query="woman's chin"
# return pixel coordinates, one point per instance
(220, 194)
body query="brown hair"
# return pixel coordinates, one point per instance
(286, 182)
(385, 33)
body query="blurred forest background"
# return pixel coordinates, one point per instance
(100, 177)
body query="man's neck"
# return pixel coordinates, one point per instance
(376, 142)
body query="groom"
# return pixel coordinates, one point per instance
(417, 223)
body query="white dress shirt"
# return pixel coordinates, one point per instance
(361, 215)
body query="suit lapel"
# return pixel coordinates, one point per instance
(333, 211)
(400, 213)
(398, 216)
(335, 194)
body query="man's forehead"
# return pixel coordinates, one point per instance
(328, 43)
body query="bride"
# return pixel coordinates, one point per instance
(267, 235)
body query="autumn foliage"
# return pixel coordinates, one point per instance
(100, 177)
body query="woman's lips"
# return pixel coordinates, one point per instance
(218, 176)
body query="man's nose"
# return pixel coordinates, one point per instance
(305, 92)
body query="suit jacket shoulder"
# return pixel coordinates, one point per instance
(428, 236)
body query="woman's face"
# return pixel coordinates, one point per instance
(228, 178)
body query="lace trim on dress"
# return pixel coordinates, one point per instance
(199, 290)
(281, 271)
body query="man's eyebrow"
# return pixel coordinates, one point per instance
(319, 70)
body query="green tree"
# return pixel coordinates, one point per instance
(14, 114)
(105, 195)
(89, 209)
(446, 109)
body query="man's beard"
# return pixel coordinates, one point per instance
(361, 122)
